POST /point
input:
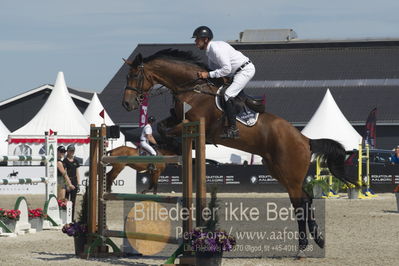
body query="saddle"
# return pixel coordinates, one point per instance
(248, 108)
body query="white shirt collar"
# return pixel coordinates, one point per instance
(208, 46)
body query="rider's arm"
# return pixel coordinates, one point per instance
(151, 138)
(222, 59)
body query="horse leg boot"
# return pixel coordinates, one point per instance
(232, 130)
(301, 217)
(313, 227)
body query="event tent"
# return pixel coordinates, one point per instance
(329, 122)
(93, 116)
(4, 132)
(58, 114)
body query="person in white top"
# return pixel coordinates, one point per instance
(147, 138)
(225, 62)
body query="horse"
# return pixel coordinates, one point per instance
(284, 150)
(139, 167)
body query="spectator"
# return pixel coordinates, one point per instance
(63, 181)
(395, 158)
(147, 138)
(71, 166)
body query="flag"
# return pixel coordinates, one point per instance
(143, 111)
(102, 113)
(370, 132)
(51, 132)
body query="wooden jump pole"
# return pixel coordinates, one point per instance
(98, 230)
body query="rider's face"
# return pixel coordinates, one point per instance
(201, 43)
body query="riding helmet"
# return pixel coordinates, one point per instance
(151, 119)
(203, 32)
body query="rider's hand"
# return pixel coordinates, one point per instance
(203, 75)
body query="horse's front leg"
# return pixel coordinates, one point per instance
(175, 131)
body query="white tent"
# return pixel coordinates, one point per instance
(92, 115)
(329, 122)
(4, 132)
(59, 114)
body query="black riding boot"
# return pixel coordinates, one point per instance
(232, 130)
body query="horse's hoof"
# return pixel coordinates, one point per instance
(320, 242)
(144, 192)
(301, 255)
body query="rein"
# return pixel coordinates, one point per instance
(141, 93)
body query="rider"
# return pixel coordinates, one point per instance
(226, 61)
(147, 138)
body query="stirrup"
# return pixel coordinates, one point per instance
(151, 167)
(231, 133)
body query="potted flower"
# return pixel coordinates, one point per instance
(62, 204)
(9, 218)
(79, 229)
(316, 187)
(209, 246)
(209, 242)
(63, 207)
(36, 218)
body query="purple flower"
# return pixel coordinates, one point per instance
(211, 241)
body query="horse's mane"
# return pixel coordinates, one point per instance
(174, 54)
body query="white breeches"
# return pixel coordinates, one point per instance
(148, 147)
(240, 80)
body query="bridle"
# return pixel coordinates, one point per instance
(141, 94)
(140, 82)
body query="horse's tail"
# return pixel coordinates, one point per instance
(333, 153)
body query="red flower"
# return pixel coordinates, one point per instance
(10, 214)
(36, 213)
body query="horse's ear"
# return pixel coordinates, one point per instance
(138, 60)
(127, 62)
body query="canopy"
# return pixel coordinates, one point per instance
(329, 122)
(96, 114)
(4, 132)
(59, 114)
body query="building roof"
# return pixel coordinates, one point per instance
(294, 77)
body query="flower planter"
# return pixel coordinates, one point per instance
(36, 223)
(63, 216)
(80, 242)
(10, 223)
(208, 258)
(317, 191)
(353, 193)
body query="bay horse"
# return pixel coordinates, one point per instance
(284, 150)
(139, 167)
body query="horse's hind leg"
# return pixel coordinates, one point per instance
(313, 227)
(292, 181)
(154, 175)
(299, 203)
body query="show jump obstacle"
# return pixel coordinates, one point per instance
(99, 234)
(51, 208)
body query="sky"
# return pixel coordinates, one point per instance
(88, 39)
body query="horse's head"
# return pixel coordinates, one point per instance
(138, 83)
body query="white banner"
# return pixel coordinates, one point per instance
(16, 172)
